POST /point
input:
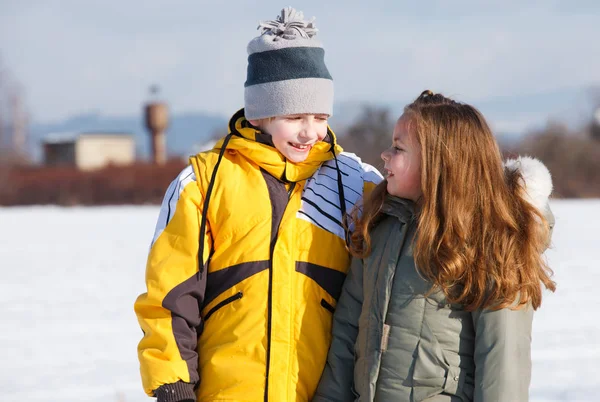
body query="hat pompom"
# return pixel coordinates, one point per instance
(290, 24)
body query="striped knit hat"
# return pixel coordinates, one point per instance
(286, 70)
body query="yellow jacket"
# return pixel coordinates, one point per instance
(257, 325)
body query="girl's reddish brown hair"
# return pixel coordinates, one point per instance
(478, 239)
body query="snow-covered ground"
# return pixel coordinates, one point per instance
(70, 277)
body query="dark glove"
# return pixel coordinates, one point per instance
(176, 392)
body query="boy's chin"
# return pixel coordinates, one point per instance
(296, 159)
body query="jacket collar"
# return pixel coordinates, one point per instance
(400, 208)
(258, 146)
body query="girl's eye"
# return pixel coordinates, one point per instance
(398, 149)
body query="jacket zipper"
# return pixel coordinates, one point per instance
(291, 190)
(270, 296)
(223, 303)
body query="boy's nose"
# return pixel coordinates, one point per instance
(308, 132)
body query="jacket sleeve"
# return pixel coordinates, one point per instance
(338, 377)
(371, 178)
(502, 354)
(551, 220)
(169, 312)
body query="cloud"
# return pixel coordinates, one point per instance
(77, 56)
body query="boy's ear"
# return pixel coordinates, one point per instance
(255, 123)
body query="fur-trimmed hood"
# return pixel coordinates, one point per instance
(538, 181)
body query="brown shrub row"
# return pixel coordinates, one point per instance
(141, 183)
(572, 158)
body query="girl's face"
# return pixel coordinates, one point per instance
(403, 163)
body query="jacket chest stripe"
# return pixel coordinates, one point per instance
(169, 204)
(322, 212)
(336, 206)
(321, 198)
(346, 161)
(307, 217)
(329, 279)
(223, 279)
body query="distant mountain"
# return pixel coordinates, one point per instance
(517, 114)
(511, 117)
(186, 131)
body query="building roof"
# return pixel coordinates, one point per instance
(60, 137)
(63, 137)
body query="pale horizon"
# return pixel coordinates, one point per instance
(73, 57)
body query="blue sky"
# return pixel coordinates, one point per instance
(102, 56)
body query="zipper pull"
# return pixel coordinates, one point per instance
(291, 189)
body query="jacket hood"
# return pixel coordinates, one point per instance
(536, 177)
(400, 208)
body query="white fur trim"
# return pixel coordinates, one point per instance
(538, 182)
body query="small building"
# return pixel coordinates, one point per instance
(89, 150)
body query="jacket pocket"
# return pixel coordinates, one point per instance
(222, 304)
(327, 306)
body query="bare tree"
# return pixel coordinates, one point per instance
(19, 122)
(595, 120)
(13, 120)
(2, 91)
(370, 135)
(572, 157)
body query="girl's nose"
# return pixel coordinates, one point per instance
(385, 155)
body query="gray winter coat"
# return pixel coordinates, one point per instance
(391, 343)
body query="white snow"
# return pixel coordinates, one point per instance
(70, 277)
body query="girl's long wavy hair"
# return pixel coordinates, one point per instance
(478, 239)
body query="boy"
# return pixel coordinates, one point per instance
(248, 257)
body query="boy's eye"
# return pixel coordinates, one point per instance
(294, 117)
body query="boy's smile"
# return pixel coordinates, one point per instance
(295, 135)
(300, 147)
(302, 151)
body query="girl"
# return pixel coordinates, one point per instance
(448, 268)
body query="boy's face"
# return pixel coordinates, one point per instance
(295, 135)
